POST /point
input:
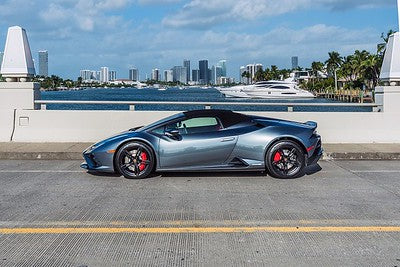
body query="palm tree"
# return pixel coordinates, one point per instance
(316, 67)
(385, 38)
(334, 62)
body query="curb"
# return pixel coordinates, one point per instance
(41, 156)
(78, 156)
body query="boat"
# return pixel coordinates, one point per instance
(268, 90)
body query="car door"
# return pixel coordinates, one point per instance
(195, 142)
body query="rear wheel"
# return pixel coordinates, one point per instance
(134, 160)
(285, 160)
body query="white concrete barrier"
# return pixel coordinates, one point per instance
(92, 126)
(6, 124)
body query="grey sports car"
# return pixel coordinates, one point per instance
(209, 140)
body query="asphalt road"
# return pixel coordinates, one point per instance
(342, 214)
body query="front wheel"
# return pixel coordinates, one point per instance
(285, 160)
(134, 160)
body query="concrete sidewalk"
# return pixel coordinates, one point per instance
(73, 151)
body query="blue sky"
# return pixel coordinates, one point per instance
(88, 34)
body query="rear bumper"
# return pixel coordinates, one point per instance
(316, 156)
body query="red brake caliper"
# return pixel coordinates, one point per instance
(142, 166)
(277, 157)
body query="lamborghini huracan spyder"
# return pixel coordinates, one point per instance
(209, 140)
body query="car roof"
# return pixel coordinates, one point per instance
(227, 117)
(209, 112)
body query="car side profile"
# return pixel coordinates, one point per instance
(209, 140)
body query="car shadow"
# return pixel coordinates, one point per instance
(309, 170)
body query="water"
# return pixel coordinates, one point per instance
(175, 95)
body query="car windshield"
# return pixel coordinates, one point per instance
(154, 124)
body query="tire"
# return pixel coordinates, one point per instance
(134, 160)
(285, 160)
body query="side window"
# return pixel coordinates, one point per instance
(196, 125)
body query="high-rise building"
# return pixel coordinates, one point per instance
(216, 74)
(43, 63)
(104, 75)
(222, 64)
(155, 74)
(252, 69)
(195, 75)
(295, 62)
(134, 74)
(1, 58)
(112, 75)
(242, 78)
(203, 75)
(168, 76)
(86, 75)
(180, 74)
(186, 64)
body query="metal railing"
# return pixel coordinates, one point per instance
(207, 105)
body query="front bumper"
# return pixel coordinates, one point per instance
(97, 161)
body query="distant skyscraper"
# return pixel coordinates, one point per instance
(112, 75)
(222, 64)
(155, 74)
(180, 74)
(86, 75)
(168, 76)
(203, 75)
(216, 74)
(242, 71)
(295, 63)
(186, 64)
(1, 58)
(104, 75)
(134, 74)
(251, 69)
(43, 63)
(195, 75)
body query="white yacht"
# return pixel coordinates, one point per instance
(268, 90)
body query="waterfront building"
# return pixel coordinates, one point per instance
(134, 74)
(216, 73)
(252, 69)
(222, 64)
(203, 74)
(104, 75)
(186, 64)
(112, 75)
(180, 74)
(1, 58)
(195, 75)
(295, 63)
(86, 75)
(168, 76)
(43, 63)
(155, 74)
(242, 71)
(225, 80)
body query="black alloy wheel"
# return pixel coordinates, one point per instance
(285, 160)
(134, 160)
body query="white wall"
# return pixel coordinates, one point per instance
(91, 126)
(6, 124)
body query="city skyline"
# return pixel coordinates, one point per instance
(148, 33)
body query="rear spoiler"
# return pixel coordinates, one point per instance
(312, 124)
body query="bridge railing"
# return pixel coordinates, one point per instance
(207, 105)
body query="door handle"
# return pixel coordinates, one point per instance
(228, 139)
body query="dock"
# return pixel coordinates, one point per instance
(350, 96)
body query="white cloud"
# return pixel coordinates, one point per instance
(206, 13)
